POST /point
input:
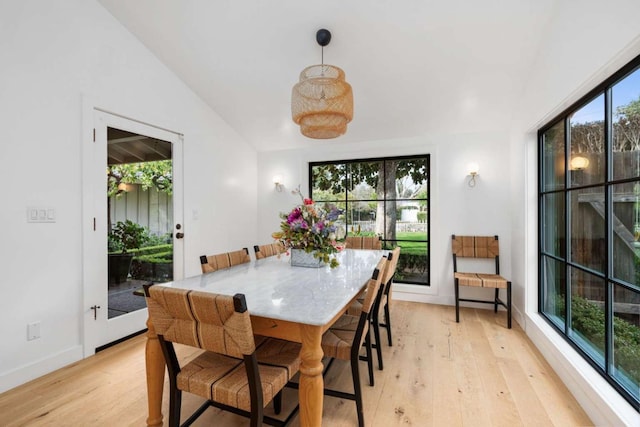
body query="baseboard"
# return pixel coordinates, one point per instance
(26, 373)
(600, 401)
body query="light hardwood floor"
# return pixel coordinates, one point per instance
(438, 373)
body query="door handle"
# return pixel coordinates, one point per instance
(95, 311)
(179, 235)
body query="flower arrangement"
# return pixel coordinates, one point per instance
(312, 228)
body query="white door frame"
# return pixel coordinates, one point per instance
(101, 330)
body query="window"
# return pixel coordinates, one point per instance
(387, 197)
(589, 228)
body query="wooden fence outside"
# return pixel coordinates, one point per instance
(150, 208)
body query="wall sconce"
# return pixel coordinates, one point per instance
(277, 180)
(473, 173)
(578, 163)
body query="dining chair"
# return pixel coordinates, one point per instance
(386, 296)
(347, 336)
(382, 301)
(239, 257)
(483, 247)
(237, 372)
(210, 263)
(363, 242)
(264, 251)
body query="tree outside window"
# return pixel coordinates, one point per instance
(386, 197)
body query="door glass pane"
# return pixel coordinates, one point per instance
(626, 231)
(625, 101)
(587, 314)
(553, 291)
(588, 246)
(626, 339)
(553, 158)
(553, 215)
(587, 147)
(139, 215)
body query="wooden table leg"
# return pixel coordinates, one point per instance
(155, 377)
(311, 391)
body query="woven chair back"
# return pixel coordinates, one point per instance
(211, 263)
(363, 242)
(217, 323)
(475, 246)
(239, 257)
(264, 251)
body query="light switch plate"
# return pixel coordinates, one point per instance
(41, 214)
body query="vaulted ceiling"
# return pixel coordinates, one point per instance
(417, 67)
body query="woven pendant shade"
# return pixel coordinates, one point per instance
(322, 102)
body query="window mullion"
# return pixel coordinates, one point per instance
(567, 226)
(608, 296)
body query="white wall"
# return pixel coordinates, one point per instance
(53, 54)
(455, 207)
(585, 43)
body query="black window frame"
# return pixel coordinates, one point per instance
(427, 157)
(564, 258)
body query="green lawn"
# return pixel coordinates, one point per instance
(416, 247)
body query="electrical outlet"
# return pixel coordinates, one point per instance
(33, 331)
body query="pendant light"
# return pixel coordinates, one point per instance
(322, 101)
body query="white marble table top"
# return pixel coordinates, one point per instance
(276, 290)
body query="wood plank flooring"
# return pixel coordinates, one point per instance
(438, 373)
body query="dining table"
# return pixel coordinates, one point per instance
(287, 302)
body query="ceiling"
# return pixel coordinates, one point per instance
(126, 147)
(417, 67)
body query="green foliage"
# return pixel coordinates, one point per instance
(157, 257)
(155, 240)
(413, 254)
(588, 137)
(153, 263)
(127, 235)
(156, 174)
(626, 128)
(333, 177)
(587, 318)
(147, 249)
